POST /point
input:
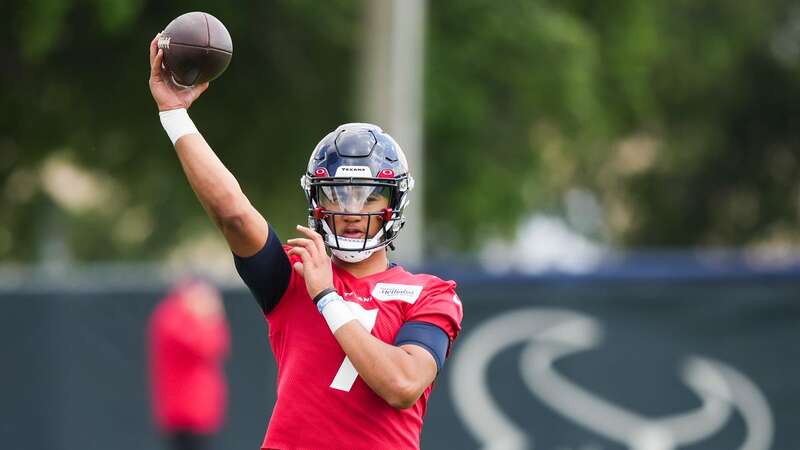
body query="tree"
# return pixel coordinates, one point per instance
(678, 116)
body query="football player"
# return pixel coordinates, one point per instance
(358, 340)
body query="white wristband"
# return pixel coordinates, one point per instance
(177, 124)
(330, 297)
(337, 313)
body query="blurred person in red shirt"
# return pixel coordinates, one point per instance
(188, 341)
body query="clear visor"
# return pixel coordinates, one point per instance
(353, 199)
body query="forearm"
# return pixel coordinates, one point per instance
(214, 185)
(244, 228)
(391, 372)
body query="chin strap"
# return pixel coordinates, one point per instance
(353, 256)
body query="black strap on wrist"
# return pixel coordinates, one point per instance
(324, 292)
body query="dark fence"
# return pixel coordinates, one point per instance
(647, 361)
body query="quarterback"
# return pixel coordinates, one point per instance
(358, 340)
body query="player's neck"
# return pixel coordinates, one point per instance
(375, 263)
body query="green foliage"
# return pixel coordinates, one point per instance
(80, 95)
(675, 114)
(678, 115)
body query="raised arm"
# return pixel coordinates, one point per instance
(243, 226)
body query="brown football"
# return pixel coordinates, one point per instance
(197, 48)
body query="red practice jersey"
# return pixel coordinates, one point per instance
(186, 355)
(322, 403)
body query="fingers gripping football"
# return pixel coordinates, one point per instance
(166, 93)
(315, 267)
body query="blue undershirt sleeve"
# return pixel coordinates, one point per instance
(266, 273)
(426, 335)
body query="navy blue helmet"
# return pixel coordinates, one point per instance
(347, 169)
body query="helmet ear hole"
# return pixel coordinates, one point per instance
(387, 214)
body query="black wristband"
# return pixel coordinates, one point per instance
(324, 292)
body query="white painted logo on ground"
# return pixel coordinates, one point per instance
(552, 334)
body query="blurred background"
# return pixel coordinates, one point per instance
(612, 183)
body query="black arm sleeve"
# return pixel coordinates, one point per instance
(426, 335)
(266, 273)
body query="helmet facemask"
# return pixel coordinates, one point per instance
(334, 204)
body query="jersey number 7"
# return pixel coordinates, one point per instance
(347, 374)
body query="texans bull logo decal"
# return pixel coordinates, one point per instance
(551, 334)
